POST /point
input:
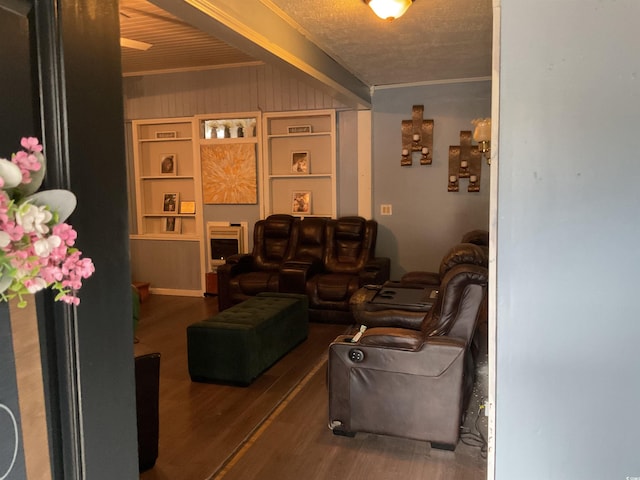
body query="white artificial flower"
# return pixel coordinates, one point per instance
(37, 285)
(5, 239)
(10, 173)
(33, 219)
(44, 246)
(61, 201)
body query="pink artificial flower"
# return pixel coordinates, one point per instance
(31, 144)
(14, 231)
(70, 299)
(35, 284)
(66, 233)
(27, 164)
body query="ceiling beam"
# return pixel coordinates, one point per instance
(257, 30)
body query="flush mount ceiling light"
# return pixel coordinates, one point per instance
(389, 9)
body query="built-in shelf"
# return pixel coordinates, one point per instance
(299, 163)
(167, 174)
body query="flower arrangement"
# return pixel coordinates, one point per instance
(36, 246)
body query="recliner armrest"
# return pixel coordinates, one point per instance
(420, 279)
(235, 265)
(391, 337)
(434, 356)
(294, 274)
(376, 271)
(239, 258)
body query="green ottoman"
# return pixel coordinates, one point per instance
(243, 341)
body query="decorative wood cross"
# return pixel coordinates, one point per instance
(417, 136)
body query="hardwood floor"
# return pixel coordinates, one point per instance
(276, 427)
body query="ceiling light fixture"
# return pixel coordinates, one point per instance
(389, 9)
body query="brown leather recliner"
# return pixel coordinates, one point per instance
(245, 275)
(308, 256)
(465, 252)
(409, 383)
(349, 263)
(477, 237)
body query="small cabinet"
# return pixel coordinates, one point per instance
(299, 163)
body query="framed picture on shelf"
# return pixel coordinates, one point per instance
(187, 207)
(170, 202)
(171, 225)
(167, 134)
(299, 129)
(168, 164)
(301, 202)
(300, 162)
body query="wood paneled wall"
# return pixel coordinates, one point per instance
(239, 89)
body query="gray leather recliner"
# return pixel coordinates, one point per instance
(410, 383)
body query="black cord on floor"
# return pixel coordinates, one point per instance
(475, 438)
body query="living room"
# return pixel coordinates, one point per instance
(567, 183)
(415, 237)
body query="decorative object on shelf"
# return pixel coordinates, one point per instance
(229, 174)
(171, 225)
(167, 134)
(188, 207)
(168, 164)
(227, 128)
(300, 162)
(301, 202)
(239, 128)
(389, 9)
(170, 202)
(417, 136)
(249, 127)
(482, 135)
(36, 247)
(464, 162)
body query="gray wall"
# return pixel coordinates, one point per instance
(426, 218)
(567, 319)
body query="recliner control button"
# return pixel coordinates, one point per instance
(356, 355)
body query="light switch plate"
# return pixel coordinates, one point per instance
(386, 209)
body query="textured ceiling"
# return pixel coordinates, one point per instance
(434, 40)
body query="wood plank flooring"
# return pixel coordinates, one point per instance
(276, 427)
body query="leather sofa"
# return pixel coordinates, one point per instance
(326, 259)
(411, 383)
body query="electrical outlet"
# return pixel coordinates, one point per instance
(386, 209)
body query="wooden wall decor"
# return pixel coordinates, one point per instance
(465, 153)
(475, 169)
(464, 162)
(229, 174)
(417, 136)
(453, 181)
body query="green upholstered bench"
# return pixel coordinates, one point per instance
(241, 342)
